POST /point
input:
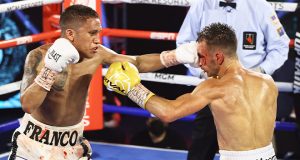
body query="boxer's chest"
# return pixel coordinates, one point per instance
(73, 77)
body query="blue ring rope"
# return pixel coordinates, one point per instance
(134, 111)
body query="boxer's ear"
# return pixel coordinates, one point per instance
(219, 57)
(70, 34)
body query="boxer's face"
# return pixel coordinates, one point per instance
(207, 60)
(87, 39)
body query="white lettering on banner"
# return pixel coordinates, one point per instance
(164, 2)
(86, 118)
(164, 76)
(24, 40)
(166, 36)
(296, 84)
(24, 6)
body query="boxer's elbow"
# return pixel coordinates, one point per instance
(167, 116)
(26, 108)
(167, 119)
(32, 99)
(27, 104)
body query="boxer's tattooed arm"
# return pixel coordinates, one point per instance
(30, 69)
(60, 81)
(34, 58)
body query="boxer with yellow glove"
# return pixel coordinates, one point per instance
(234, 94)
(123, 78)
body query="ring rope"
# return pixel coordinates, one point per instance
(9, 125)
(7, 7)
(154, 77)
(105, 32)
(134, 111)
(127, 33)
(11, 87)
(170, 36)
(139, 34)
(191, 80)
(181, 3)
(29, 39)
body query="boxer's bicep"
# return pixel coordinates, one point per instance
(111, 58)
(108, 56)
(149, 62)
(190, 103)
(170, 110)
(33, 59)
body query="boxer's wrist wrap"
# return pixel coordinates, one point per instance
(168, 58)
(140, 95)
(46, 78)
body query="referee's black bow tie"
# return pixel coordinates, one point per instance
(224, 4)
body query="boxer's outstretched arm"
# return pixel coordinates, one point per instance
(171, 110)
(123, 78)
(185, 54)
(32, 95)
(149, 62)
(144, 63)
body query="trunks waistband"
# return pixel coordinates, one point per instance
(50, 135)
(264, 153)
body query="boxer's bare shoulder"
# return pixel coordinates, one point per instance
(44, 48)
(261, 79)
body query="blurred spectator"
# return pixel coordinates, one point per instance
(11, 61)
(262, 46)
(157, 134)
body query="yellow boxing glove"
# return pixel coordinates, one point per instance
(123, 78)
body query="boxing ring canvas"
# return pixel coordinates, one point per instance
(107, 151)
